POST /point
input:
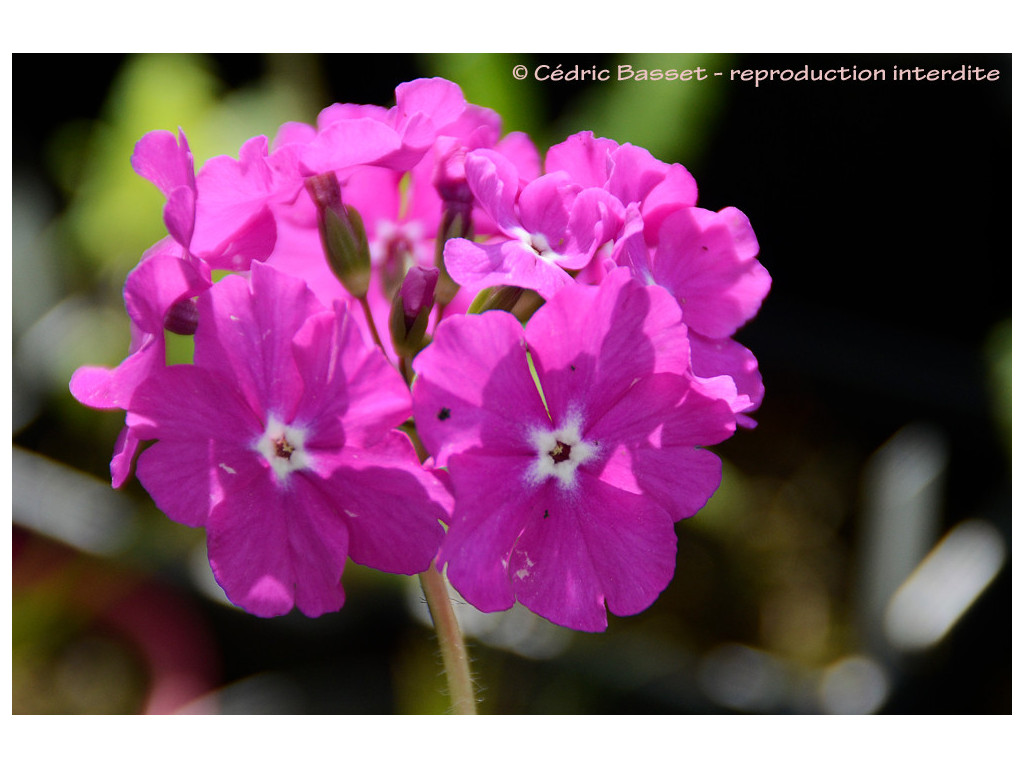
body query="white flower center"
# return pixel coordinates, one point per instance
(282, 446)
(560, 452)
(539, 244)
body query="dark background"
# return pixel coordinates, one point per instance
(883, 214)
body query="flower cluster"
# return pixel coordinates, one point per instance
(558, 355)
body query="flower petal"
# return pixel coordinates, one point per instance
(551, 570)
(347, 381)
(716, 357)
(490, 514)
(474, 386)
(520, 149)
(246, 334)
(180, 214)
(631, 542)
(125, 448)
(673, 468)
(708, 261)
(634, 173)
(439, 100)
(544, 206)
(109, 388)
(596, 219)
(586, 159)
(200, 423)
(346, 143)
(679, 189)
(600, 545)
(156, 283)
(494, 181)
(390, 504)
(591, 343)
(511, 262)
(232, 198)
(275, 546)
(165, 160)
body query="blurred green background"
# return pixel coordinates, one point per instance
(857, 556)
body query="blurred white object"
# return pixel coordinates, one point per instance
(854, 685)
(744, 678)
(944, 585)
(70, 506)
(903, 488)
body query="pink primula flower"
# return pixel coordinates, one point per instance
(562, 453)
(223, 217)
(713, 358)
(281, 441)
(396, 138)
(168, 163)
(347, 138)
(630, 173)
(708, 261)
(567, 485)
(162, 281)
(401, 211)
(553, 225)
(229, 214)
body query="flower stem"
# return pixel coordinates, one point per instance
(405, 368)
(435, 589)
(369, 321)
(449, 637)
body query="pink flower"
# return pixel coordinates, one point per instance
(425, 109)
(708, 262)
(224, 217)
(567, 486)
(281, 441)
(387, 162)
(401, 209)
(551, 226)
(229, 214)
(163, 280)
(169, 165)
(712, 358)
(628, 172)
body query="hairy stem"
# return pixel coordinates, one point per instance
(449, 637)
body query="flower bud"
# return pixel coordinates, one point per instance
(341, 233)
(449, 180)
(456, 221)
(183, 317)
(398, 255)
(450, 172)
(503, 297)
(410, 310)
